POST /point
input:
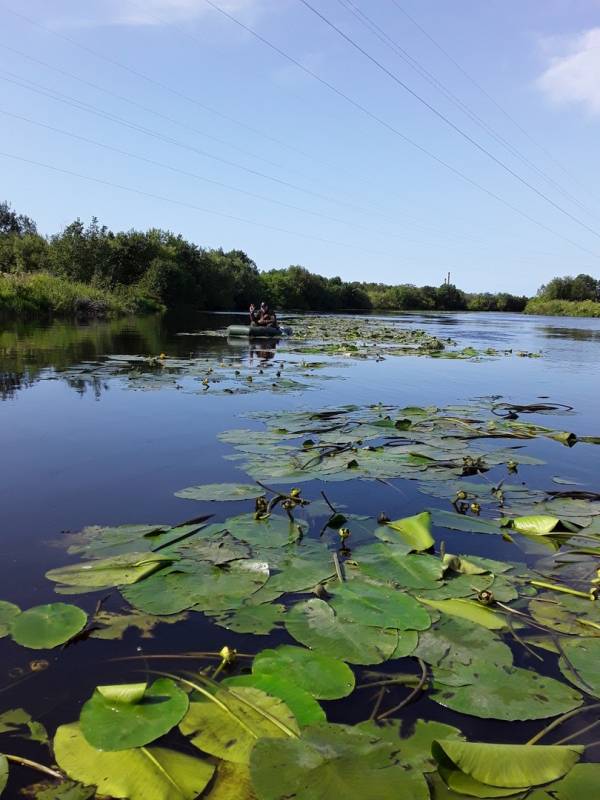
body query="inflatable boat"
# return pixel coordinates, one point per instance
(262, 331)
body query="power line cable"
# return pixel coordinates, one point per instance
(445, 119)
(395, 130)
(83, 106)
(489, 96)
(220, 184)
(185, 204)
(384, 37)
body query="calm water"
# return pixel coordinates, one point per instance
(78, 452)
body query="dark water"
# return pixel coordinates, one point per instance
(78, 452)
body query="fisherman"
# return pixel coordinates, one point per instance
(267, 317)
(255, 315)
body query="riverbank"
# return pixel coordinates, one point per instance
(41, 295)
(563, 308)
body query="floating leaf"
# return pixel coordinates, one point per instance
(416, 530)
(385, 563)
(8, 611)
(462, 522)
(414, 750)
(506, 693)
(303, 705)
(514, 766)
(44, 627)
(453, 641)
(3, 772)
(221, 492)
(122, 717)
(119, 570)
(152, 773)
(229, 724)
(332, 761)
(380, 606)
(232, 782)
(580, 663)
(256, 619)
(540, 524)
(470, 610)
(314, 624)
(115, 625)
(323, 677)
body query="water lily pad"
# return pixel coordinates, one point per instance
(114, 625)
(506, 693)
(8, 611)
(323, 677)
(385, 563)
(112, 721)
(380, 606)
(332, 761)
(229, 724)
(232, 782)
(152, 773)
(416, 530)
(470, 610)
(415, 749)
(221, 492)
(256, 619)
(47, 626)
(510, 766)
(540, 524)
(303, 705)
(3, 772)
(580, 663)
(462, 522)
(119, 570)
(314, 624)
(453, 641)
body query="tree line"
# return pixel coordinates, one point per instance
(166, 269)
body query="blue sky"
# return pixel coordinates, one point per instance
(202, 117)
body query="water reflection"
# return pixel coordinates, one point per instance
(575, 334)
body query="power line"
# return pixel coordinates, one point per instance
(381, 34)
(83, 106)
(395, 130)
(211, 181)
(446, 119)
(185, 204)
(487, 94)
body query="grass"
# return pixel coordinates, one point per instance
(563, 308)
(43, 295)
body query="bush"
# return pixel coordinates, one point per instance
(563, 308)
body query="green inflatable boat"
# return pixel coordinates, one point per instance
(254, 331)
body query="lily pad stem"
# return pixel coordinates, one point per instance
(26, 762)
(415, 692)
(332, 507)
(338, 568)
(578, 733)
(560, 720)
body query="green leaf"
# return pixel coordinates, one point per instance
(384, 562)
(323, 677)
(414, 750)
(380, 606)
(65, 790)
(416, 530)
(581, 783)
(256, 619)
(303, 705)
(3, 772)
(505, 693)
(470, 610)
(119, 570)
(152, 773)
(514, 766)
(13, 719)
(115, 625)
(228, 724)
(221, 492)
(313, 623)
(462, 522)
(540, 524)
(232, 782)
(8, 611)
(332, 761)
(580, 663)
(44, 627)
(131, 715)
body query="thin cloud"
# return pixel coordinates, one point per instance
(571, 77)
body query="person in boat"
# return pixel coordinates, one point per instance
(267, 317)
(255, 315)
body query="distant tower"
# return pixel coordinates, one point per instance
(448, 279)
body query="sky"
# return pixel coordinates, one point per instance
(379, 140)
